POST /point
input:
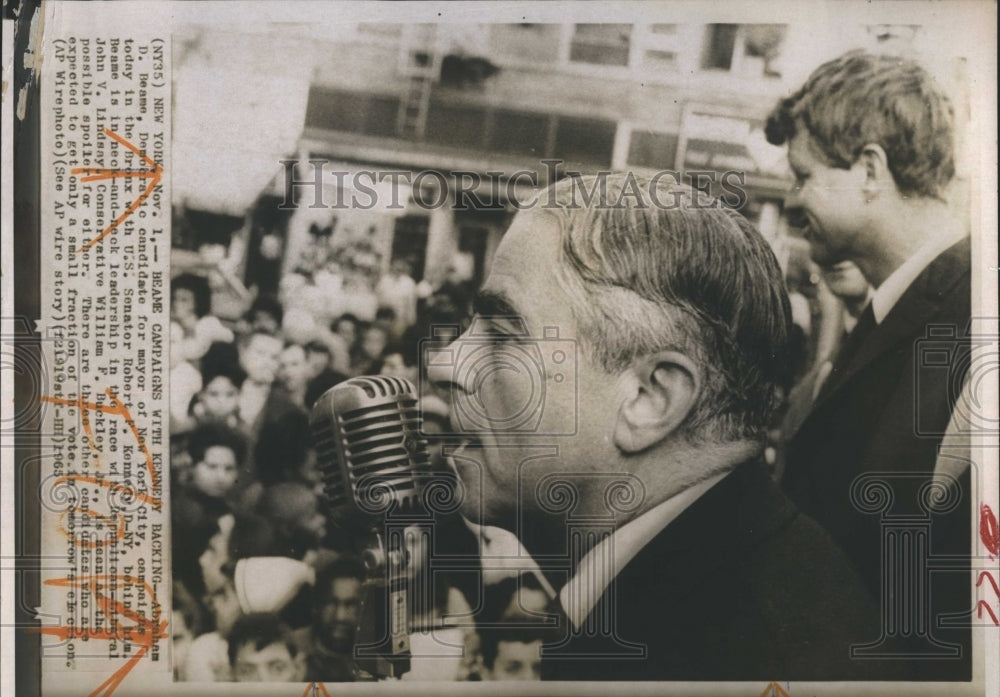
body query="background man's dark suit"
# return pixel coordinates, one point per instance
(864, 421)
(741, 586)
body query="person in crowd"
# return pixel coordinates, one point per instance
(871, 143)
(190, 309)
(346, 327)
(218, 401)
(259, 354)
(844, 295)
(455, 293)
(185, 383)
(342, 340)
(203, 498)
(328, 643)
(216, 452)
(399, 360)
(293, 373)
(208, 656)
(397, 290)
(274, 420)
(682, 320)
(371, 343)
(294, 512)
(261, 650)
(514, 652)
(322, 374)
(185, 625)
(318, 358)
(265, 316)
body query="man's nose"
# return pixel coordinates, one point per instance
(342, 613)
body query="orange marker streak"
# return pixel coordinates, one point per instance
(145, 633)
(155, 174)
(107, 520)
(119, 409)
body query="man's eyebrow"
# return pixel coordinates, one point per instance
(494, 304)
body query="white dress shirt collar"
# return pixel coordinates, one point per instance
(609, 556)
(888, 294)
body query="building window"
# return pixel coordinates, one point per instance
(455, 125)
(750, 49)
(720, 46)
(659, 60)
(653, 150)
(585, 141)
(380, 30)
(353, 112)
(535, 43)
(763, 43)
(602, 44)
(669, 29)
(520, 133)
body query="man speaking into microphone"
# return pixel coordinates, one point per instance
(613, 391)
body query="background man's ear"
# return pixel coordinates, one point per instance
(877, 173)
(661, 389)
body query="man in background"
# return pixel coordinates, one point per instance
(261, 650)
(871, 144)
(328, 643)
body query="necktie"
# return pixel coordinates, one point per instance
(847, 351)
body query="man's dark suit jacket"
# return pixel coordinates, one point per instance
(877, 412)
(740, 586)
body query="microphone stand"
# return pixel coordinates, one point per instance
(383, 647)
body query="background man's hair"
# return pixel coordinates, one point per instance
(343, 567)
(491, 637)
(260, 629)
(232, 371)
(861, 98)
(268, 304)
(198, 285)
(212, 434)
(677, 271)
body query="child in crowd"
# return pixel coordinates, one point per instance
(218, 401)
(202, 497)
(216, 453)
(190, 307)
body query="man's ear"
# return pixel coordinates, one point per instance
(878, 177)
(660, 391)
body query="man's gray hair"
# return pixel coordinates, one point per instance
(651, 266)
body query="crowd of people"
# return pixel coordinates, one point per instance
(247, 502)
(268, 587)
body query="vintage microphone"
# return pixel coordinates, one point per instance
(373, 459)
